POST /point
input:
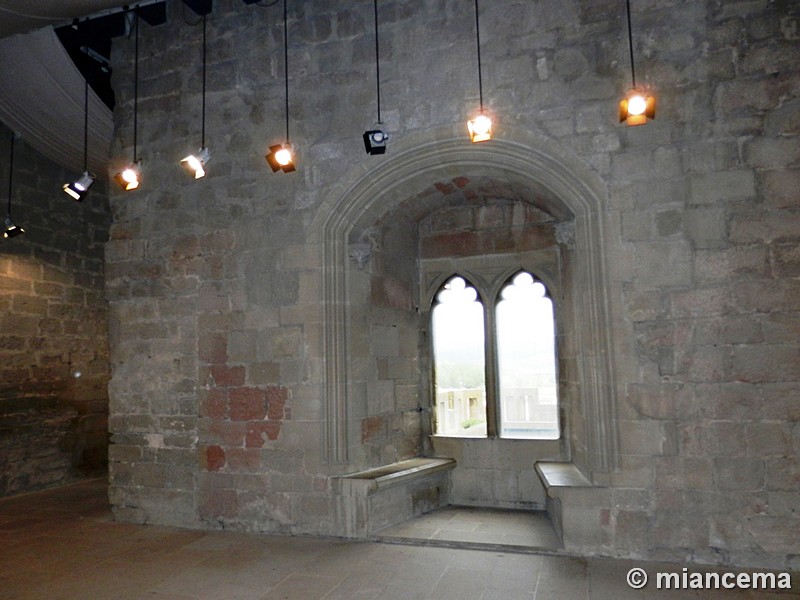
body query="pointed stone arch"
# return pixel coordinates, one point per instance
(567, 187)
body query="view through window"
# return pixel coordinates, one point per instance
(523, 334)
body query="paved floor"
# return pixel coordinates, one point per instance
(478, 528)
(62, 545)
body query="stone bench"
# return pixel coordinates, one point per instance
(561, 481)
(371, 500)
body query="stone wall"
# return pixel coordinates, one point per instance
(234, 395)
(54, 342)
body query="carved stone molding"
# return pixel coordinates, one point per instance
(526, 159)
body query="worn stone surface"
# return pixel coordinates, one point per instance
(215, 286)
(53, 318)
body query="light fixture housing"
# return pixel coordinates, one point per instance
(78, 189)
(10, 229)
(480, 128)
(130, 177)
(375, 139)
(636, 108)
(281, 158)
(195, 163)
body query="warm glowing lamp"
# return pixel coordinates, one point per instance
(129, 177)
(281, 158)
(636, 108)
(195, 164)
(480, 128)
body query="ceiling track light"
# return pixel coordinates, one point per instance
(10, 229)
(130, 177)
(195, 163)
(479, 127)
(636, 108)
(281, 157)
(78, 189)
(376, 138)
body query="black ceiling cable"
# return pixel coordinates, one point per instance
(286, 66)
(478, 38)
(10, 172)
(630, 42)
(203, 119)
(377, 61)
(135, 85)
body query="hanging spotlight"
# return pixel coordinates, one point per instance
(195, 163)
(636, 108)
(11, 229)
(376, 138)
(480, 127)
(129, 177)
(281, 157)
(78, 189)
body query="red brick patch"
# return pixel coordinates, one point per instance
(215, 458)
(276, 401)
(247, 404)
(224, 375)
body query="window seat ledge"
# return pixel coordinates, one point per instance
(367, 482)
(371, 500)
(556, 475)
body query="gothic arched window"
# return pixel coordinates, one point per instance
(495, 364)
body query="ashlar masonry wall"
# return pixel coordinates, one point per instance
(54, 367)
(231, 406)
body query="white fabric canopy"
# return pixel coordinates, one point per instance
(42, 98)
(18, 16)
